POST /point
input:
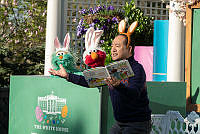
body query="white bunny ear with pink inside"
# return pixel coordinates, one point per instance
(122, 26)
(66, 42)
(56, 43)
(96, 37)
(88, 37)
(132, 27)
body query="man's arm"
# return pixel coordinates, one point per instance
(76, 79)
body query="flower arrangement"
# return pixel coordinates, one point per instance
(107, 18)
(101, 18)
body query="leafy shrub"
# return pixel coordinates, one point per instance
(22, 38)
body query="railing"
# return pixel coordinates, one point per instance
(154, 8)
(173, 123)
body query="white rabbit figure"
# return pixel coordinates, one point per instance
(93, 56)
(63, 55)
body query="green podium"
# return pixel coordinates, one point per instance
(41, 105)
(51, 105)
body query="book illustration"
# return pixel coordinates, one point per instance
(119, 70)
(95, 76)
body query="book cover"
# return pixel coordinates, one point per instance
(95, 76)
(119, 70)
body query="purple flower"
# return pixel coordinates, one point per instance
(91, 25)
(83, 31)
(108, 20)
(91, 10)
(81, 21)
(110, 8)
(101, 41)
(83, 11)
(94, 11)
(99, 8)
(80, 29)
(114, 19)
(105, 27)
(78, 33)
(96, 21)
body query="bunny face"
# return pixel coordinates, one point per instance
(93, 56)
(60, 51)
(63, 55)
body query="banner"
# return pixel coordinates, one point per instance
(160, 44)
(144, 55)
(41, 105)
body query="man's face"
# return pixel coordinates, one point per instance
(119, 50)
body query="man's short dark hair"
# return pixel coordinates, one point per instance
(132, 42)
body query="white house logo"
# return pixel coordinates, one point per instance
(51, 112)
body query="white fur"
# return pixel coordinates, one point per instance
(65, 47)
(92, 38)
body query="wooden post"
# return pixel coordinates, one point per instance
(188, 57)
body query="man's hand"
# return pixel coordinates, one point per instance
(112, 81)
(61, 72)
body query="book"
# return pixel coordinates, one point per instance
(119, 70)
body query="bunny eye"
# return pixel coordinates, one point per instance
(61, 53)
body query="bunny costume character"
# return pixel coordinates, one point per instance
(93, 56)
(63, 55)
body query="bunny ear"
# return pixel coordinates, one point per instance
(132, 27)
(122, 26)
(66, 41)
(56, 43)
(96, 37)
(88, 37)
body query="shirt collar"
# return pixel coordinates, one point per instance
(131, 59)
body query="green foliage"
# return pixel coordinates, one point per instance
(22, 38)
(107, 19)
(143, 34)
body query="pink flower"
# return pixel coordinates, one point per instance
(16, 41)
(5, 13)
(25, 30)
(41, 29)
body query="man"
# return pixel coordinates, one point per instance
(129, 97)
